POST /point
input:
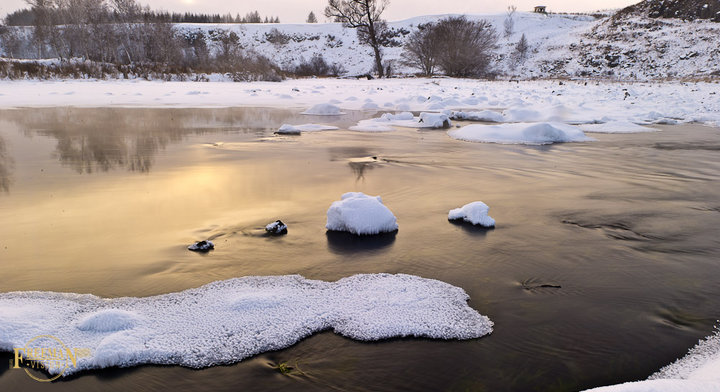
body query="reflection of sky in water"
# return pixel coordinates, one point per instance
(5, 166)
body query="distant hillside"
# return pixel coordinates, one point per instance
(680, 9)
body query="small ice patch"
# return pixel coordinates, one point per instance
(227, 321)
(287, 129)
(108, 320)
(368, 127)
(520, 133)
(616, 127)
(475, 213)
(324, 109)
(485, 115)
(360, 214)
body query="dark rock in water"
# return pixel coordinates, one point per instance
(202, 246)
(276, 228)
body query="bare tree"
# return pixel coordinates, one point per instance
(520, 53)
(467, 46)
(421, 49)
(363, 15)
(43, 26)
(311, 18)
(509, 23)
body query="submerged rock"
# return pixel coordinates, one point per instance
(276, 228)
(202, 246)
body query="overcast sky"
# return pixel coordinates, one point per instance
(291, 11)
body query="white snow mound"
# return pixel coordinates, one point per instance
(475, 213)
(520, 133)
(227, 321)
(324, 109)
(360, 214)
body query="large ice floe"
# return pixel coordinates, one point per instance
(698, 371)
(226, 321)
(520, 133)
(475, 213)
(616, 127)
(360, 214)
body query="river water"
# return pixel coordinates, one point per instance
(604, 265)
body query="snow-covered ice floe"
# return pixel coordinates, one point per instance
(324, 109)
(616, 127)
(475, 213)
(698, 371)
(520, 133)
(405, 119)
(226, 321)
(360, 214)
(287, 129)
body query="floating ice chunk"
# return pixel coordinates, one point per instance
(616, 127)
(699, 371)
(227, 321)
(520, 133)
(368, 127)
(202, 246)
(324, 109)
(475, 213)
(396, 117)
(485, 115)
(287, 129)
(277, 227)
(108, 320)
(360, 214)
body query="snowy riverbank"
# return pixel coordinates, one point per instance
(572, 102)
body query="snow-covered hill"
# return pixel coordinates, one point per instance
(628, 47)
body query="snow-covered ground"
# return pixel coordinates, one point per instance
(226, 321)
(530, 101)
(698, 371)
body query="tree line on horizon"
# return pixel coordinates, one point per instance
(57, 12)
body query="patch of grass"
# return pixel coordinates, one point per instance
(285, 369)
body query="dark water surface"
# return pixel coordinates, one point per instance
(105, 201)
